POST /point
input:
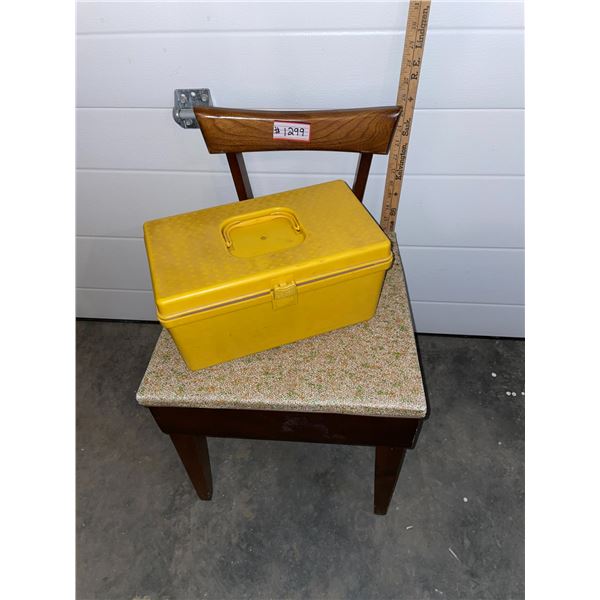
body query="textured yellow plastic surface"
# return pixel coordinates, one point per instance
(244, 277)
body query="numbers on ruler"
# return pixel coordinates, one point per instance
(416, 28)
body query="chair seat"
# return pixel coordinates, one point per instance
(371, 368)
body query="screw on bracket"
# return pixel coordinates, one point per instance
(185, 101)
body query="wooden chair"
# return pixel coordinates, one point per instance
(357, 385)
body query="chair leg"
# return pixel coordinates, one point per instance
(193, 452)
(388, 462)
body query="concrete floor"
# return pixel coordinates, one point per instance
(292, 520)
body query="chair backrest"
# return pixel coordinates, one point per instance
(232, 131)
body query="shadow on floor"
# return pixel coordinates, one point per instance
(292, 520)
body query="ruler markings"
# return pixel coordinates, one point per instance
(412, 57)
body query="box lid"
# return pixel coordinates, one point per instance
(222, 255)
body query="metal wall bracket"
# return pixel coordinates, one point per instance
(183, 107)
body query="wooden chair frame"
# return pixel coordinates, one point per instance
(366, 131)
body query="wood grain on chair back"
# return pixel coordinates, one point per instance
(361, 130)
(232, 131)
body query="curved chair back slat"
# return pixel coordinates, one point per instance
(364, 130)
(233, 131)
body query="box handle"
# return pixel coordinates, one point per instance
(256, 218)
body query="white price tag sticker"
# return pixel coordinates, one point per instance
(291, 130)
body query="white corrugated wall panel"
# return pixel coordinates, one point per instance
(461, 214)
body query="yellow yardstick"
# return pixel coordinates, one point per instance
(414, 43)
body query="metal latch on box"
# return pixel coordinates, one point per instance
(284, 294)
(183, 107)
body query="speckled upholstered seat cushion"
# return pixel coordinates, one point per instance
(367, 369)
